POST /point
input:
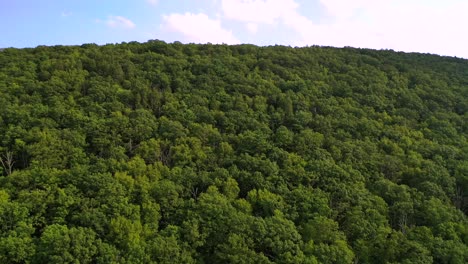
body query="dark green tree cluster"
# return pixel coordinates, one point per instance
(171, 153)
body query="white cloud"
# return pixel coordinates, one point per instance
(257, 11)
(345, 10)
(269, 12)
(152, 2)
(416, 25)
(252, 27)
(120, 22)
(347, 27)
(198, 28)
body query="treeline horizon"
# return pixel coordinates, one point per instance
(176, 42)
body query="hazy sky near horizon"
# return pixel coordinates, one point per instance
(427, 26)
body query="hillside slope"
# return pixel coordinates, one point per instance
(172, 153)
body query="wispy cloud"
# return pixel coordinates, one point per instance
(198, 28)
(119, 22)
(152, 2)
(66, 13)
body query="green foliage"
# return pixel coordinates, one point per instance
(171, 153)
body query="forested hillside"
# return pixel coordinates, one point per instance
(173, 153)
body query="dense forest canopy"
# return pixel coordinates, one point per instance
(172, 153)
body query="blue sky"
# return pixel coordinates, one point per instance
(428, 26)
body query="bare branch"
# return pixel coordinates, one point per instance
(7, 162)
